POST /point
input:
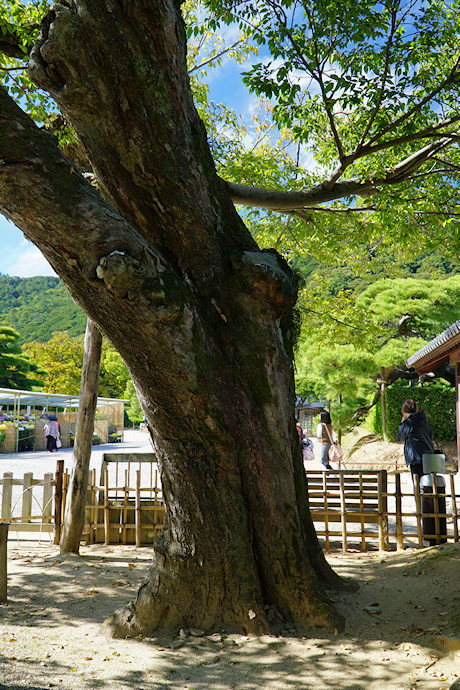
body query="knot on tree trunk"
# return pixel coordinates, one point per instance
(125, 276)
(53, 64)
(271, 277)
(46, 67)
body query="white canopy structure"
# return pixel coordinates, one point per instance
(17, 404)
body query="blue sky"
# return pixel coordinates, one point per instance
(19, 257)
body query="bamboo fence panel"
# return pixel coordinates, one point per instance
(355, 508)
(119, 513)
(363, 498)
(22, 508)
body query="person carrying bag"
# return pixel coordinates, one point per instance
(330, 449)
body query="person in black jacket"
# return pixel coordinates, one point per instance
(415, 431)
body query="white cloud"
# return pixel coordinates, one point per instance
(28, 262)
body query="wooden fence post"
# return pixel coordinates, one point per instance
(3, 562)
(398, 505)
(326, 515)
(7, 495)
(27, 496)
(418, 508)
(106, 509)
(343, 513)
(58, 500)
(47, 496)
(454, 506)
(383, 511)
(138, 508)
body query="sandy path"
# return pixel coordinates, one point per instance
(50, 629)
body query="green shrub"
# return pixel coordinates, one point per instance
(436, 400)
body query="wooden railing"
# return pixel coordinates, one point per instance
(362, 508)
(353, 499)
(22, 506)
(360, 499)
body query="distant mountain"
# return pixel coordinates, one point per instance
(38, 307)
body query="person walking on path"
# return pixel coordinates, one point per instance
(326, 435)
(415, 431)
(52, 435)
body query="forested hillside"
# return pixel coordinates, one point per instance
(428, 266)
(38, 307)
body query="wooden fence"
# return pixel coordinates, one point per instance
(28, 503)
(367, 511)
(127, 513)
(361, 508)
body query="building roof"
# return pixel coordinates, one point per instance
(10, 396)
(437, 351)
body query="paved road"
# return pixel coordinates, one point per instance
(41, 461)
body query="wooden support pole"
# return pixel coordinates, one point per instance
(398, 503)
(454, 506)
(58, 500)
(138, 508)
(343, 514)
(418, 510)
(3, 562)
(77, 487)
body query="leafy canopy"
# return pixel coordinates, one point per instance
(369, 92)
(356, 121)
(359, 105)
(398, 317)
(61, 360)
(16, 369)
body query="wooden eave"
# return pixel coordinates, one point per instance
(441, 349)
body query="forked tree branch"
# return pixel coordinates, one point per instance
(280, 200)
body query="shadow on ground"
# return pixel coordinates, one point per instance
(50, 634)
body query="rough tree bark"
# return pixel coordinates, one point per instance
(74, 518)
(201, 316)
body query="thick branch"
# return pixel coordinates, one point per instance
(63, 215)
(362, 411)
(278, 200)
(142, 147)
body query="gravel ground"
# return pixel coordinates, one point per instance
(50, 633)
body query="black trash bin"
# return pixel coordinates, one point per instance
(429, 531)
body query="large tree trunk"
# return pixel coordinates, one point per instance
(74, 518)
(201, 316)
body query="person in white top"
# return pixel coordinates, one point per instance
(325, 433)
(52, 435)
